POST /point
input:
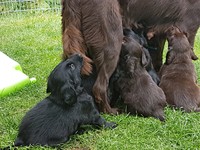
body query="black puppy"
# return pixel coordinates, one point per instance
(59, 115)
(143, 42)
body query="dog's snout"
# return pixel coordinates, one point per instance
(79, 57)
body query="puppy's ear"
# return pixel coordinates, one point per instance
(169, 57)
(144, 60)
(68, 95)
(50, 85)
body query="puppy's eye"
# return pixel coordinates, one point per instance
(72, 66)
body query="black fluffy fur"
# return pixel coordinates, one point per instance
(59, 115)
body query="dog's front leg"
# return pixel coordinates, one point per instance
(101, 122)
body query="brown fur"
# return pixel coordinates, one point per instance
(191, 20)
(189, 24)
(138, 91)
(94, 29)
(178, 76)
(153, 14)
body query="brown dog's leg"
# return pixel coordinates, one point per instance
(157, 42)
(101, 85)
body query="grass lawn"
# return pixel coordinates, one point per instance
(35, 42)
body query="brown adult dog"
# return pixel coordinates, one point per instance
(178, 76)
(152, 14)
(138, 91)
(94, 28)
(190, 24)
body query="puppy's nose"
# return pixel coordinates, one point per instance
(80, 57)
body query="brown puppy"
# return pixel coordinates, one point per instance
(178, 76)
(94, 28)
(138, 91)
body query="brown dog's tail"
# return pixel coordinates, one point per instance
(72, 38)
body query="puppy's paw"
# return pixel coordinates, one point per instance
(110, 125)
(80, 131)
(161, 118)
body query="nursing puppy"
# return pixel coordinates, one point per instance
(94, 29)
(178, 76)
(156, 16)
(113, 92)
(142, 41)
(137, 89)
(59, 115)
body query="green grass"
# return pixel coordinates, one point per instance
(35, 42)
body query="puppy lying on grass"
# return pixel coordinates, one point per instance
(59, 115)
(135, 86)
(178, 76)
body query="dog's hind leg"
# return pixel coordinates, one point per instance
(106, 63)
(54, 142)
(100, 87)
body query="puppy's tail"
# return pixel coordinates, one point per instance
(72, 38)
